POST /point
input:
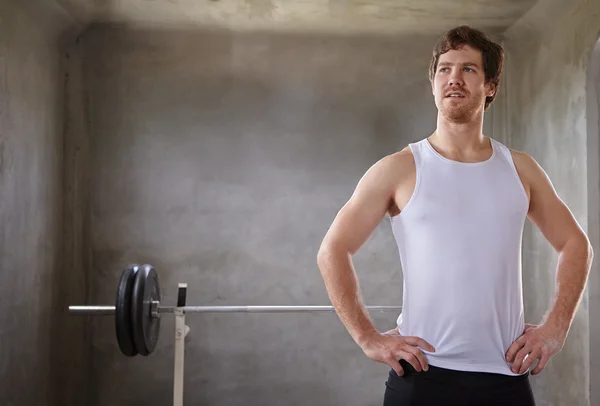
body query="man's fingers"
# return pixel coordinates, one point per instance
(514, 348)
(541, 365)
(530, 360)
(519, 358)
(415, 351)
(411, 359)
(392, 362)
(418, 341)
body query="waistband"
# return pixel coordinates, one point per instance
(463, 378)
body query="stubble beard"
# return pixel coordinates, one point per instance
(462, 113)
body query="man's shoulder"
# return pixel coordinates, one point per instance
(522, 158)
(399, 160)
(528, 168)
(392, 168)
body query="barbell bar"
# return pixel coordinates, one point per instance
(110, 310)
(138, 307)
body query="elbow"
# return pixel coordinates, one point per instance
(590, 251)
(328, 251)
(324, 261)
(323, 255)
(589, 257)
(582, 245)
(587, 248)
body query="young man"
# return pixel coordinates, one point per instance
(457, 202)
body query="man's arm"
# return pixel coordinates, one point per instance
(558, 225)
(353, 225)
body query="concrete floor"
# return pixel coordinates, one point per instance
(221, 156)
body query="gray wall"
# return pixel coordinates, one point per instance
(546, 90)
(73, 343)
(593, 155)
(31, 118)
(221, 159)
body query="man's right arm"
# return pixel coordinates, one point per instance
(353, 225)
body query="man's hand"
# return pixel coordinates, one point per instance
(537, 342)
(390, 347)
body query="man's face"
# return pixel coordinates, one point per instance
(459, 84)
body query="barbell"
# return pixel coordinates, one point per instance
(138, 308)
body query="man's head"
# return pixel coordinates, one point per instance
(468, 65)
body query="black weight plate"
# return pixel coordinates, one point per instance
(146, 328)
(123, 311)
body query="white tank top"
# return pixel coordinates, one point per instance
(459, 240)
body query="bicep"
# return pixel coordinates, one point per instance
(547, 210)
(363, 212)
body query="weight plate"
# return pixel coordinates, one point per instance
(146, 328)
(123, 311)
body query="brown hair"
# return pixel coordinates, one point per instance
(493, 53)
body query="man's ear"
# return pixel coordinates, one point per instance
(491, 90)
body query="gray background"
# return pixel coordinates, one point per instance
(221, 157)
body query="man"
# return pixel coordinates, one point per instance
(457, 201)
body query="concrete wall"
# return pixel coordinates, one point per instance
(221, 159)
(593, 175)
(548, 54)
(31, 118)
(73, 345)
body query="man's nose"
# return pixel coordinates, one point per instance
(456, 79)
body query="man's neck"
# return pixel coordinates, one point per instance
(459, 137)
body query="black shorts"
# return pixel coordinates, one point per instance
(439, 386)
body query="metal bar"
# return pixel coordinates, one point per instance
(92, 310)
(265, 309)
(110, 310)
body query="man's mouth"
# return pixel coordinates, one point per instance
(455, 95)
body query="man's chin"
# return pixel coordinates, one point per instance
(457, 115)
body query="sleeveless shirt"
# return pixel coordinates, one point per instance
(459, 241)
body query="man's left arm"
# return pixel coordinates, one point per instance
(558, 225)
